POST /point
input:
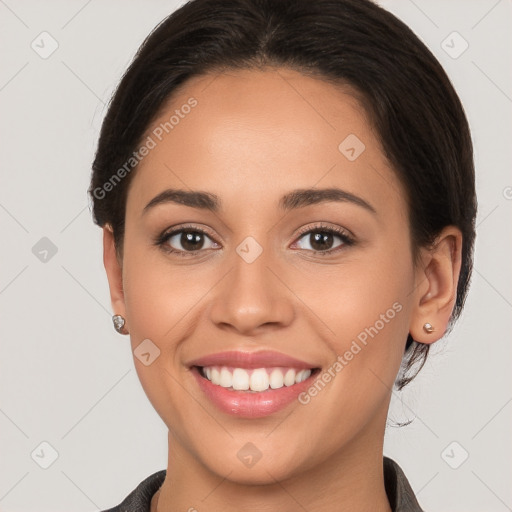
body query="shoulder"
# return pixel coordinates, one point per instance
(398, 489)
(139, 500)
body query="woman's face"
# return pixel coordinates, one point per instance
(253, 281)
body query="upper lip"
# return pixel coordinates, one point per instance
(250, 360)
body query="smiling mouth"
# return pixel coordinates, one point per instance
(255, 380)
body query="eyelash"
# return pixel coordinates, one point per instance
(346, 238)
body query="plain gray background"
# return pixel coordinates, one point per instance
(67, 379)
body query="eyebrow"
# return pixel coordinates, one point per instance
(299, 198)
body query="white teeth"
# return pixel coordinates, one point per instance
(259, 380)
(276, 379)
(289, 378)
(254, 380)
(302, 375)
(226, 379)
(215, 378)
(240, 379)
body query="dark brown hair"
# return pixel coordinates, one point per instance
(408, 96)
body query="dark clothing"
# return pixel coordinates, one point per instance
(400, 494)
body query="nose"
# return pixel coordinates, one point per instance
(252, 297)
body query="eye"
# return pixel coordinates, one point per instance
(190, 240)
(186, 240)
(324, 239)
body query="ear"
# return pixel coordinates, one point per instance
(435, 291)
(114, 274)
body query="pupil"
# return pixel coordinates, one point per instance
(321, 241)
(191, 240)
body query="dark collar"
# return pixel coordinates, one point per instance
(398, 489)
(400, 494)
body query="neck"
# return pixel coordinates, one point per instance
(349, 480)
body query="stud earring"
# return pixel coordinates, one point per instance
(428, 328)
(119, 322)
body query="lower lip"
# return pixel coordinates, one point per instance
(251, 405)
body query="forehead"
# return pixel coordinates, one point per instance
(255, 133)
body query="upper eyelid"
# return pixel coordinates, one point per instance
(338, 230)
(177, 229)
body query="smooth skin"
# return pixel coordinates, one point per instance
(254, 136)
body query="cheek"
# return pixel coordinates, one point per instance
(366, 306)
(353, 296)
(158, 295)
(157, 300)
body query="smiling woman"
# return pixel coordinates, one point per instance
(287, 250)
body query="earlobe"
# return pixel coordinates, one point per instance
(114, 272)
(436, 286)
